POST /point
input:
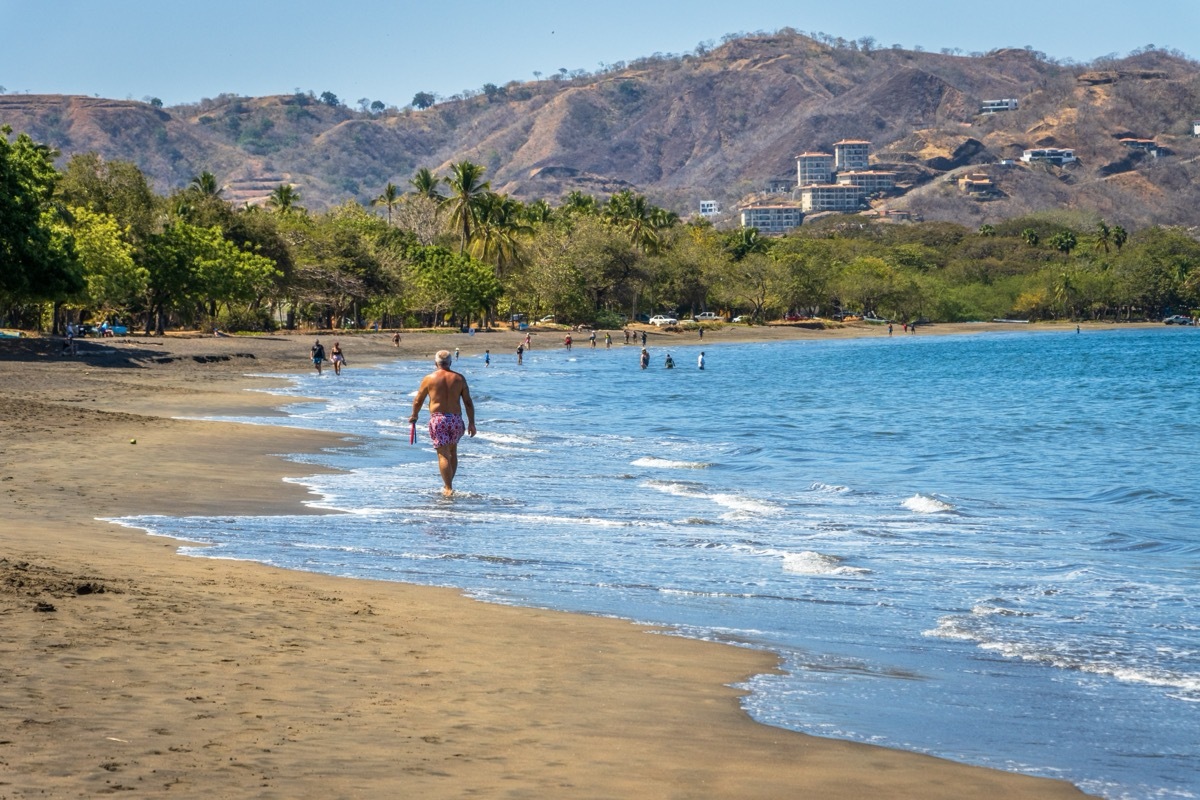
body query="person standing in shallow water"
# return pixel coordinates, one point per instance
(448, 396)
(645, 358)
(318, 355)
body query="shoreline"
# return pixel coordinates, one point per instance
(217, 677)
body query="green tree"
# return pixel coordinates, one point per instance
(206, 184)
(389, 199)
(285, 199)
(37, 259)
(1031, 237)
(468, 193)
(114, 280)
(425, 184)
(117, 188)
(1064, 242)
(1103, 236)
(423, 100)
(1119, 237)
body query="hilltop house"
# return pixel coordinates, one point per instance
(709, 208)
(977, 183)
(1053, 155)
(996, 106)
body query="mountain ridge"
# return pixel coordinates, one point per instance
(718, 126)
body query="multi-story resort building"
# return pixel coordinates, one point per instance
(867, 180)
(772, 218)
(831, 197)
(996, 106)
(814, 168)
(709, 208)
(1054, 155)
(850, 155)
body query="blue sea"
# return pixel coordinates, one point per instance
(983, 547)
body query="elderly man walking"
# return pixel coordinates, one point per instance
(448, 395)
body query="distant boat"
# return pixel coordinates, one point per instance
(1014, 321)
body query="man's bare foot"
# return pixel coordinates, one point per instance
(447, 491)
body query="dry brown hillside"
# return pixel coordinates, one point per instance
(712, 126)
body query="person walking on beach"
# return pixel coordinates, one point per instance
(592, 339)
(645, 358)
(607, 340)
(700, 360)
(528, 342)
(337, 357)
(487, 358)
(626, 335)
(448, 396)
(396, 339)
(567, 341)
(318, 355)
(643, 338)
(456, 355)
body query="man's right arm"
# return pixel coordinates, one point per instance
(419, 400)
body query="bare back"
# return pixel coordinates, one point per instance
(447, 392)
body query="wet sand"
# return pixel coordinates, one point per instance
(127, 667)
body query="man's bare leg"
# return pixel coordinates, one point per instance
(448, 466)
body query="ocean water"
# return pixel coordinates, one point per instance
(981, 547)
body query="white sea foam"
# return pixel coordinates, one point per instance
(922, 504)
(809, 562)
(666, 463)
(828, 488)
(503, 438)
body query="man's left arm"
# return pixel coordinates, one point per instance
(470, 407)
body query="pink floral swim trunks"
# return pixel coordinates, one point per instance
(446, 429)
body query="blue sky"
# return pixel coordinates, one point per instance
(388, 51)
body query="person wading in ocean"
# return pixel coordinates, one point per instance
(448, 395)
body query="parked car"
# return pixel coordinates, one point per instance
(660, 320)
(742, 318)
(548, 318)
(1178, 319)
(707, 316)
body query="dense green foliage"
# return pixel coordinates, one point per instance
(94, 241)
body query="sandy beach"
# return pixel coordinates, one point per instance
(130, 668)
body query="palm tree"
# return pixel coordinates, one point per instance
(284, 199)
(1103, 235)
(1119, 237)
(576, 202)
(632, 214)
(1031, 237)
(206, 184)
(538, 212)
(389, 199)
(499, 226)
(469, 193)
(1064, 242)
(425, 184)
